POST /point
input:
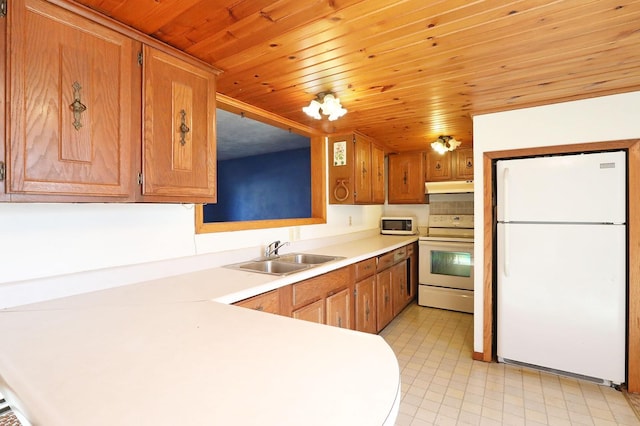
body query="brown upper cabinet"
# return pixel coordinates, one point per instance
(356, 170)
(463, 167)
(453, 165)
(71, 109)
(406, 178)
(377, 177)
(75, 109)
(179, 155)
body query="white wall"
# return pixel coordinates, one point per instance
(606, 118)
(54, 250)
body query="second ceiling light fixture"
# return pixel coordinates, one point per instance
(444, 144)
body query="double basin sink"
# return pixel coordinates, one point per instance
(284, 264)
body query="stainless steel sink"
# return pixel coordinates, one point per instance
(285, 264)
(311, 259)
(272, 267)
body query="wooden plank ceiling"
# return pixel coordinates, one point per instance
(406, 70)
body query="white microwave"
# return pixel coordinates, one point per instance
(395, 225)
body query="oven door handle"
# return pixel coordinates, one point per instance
(448, 244)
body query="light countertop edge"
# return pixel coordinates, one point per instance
(170, 315)
(192, 363)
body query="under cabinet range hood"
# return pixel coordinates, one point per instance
(448, 187)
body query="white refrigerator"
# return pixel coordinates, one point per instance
(561, 269)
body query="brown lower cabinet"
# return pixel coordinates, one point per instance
(399, 286)
(326, 299)
(384, 307)
(265, 302)
(339, 309)
(366, 305)
(365, 296)
(313, 312)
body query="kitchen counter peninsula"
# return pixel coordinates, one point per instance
(172, 351)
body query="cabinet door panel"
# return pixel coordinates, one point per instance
(179, 129)
(399, 286)
(464, 163)
(406, 178)
(339, 309)
(313, 312)
(362, 170)
(384, 303)
(377, 175)
(71, 106)
(438, 166)
(366, 305)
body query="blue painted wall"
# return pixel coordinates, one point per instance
(269, 186)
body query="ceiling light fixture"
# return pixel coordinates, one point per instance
(328, 103)
(444, 144)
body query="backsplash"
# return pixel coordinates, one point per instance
(451, 207)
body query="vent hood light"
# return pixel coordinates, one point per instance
(448, 187)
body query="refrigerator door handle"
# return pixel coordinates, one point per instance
(505, 255)
(505, 189)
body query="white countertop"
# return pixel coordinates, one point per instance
(167, 352)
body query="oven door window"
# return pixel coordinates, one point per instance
(451, 263)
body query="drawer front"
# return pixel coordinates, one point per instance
(320, 287)
(399, 254)
(266, 302)
(410, 249)
(365, 269)
(385, 261)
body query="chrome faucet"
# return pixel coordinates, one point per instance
(272, 249)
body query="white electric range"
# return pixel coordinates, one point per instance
(445, 263)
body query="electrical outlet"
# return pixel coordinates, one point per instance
(350, 221)
(294, 233)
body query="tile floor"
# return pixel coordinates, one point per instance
(442, 385)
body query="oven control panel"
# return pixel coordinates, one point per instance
(451, 221)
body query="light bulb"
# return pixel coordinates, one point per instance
(313, 110)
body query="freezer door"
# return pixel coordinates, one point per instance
(569, 188)
(561, 299)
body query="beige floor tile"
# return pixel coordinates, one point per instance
(443, 385)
